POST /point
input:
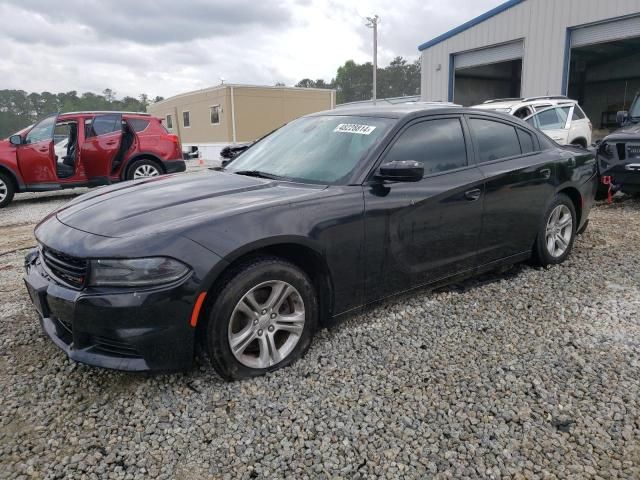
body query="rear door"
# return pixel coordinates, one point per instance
(519, 182)
(554, 121)
(36, 155)
(103, 137)
(418, 233)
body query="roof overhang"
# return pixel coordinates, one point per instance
(471, 23)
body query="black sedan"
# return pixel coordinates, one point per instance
(331, 213)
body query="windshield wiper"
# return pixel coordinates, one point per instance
(259, 174)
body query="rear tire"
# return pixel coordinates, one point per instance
(267, 309)
(556, 233)
(7, 189)
(143, 168)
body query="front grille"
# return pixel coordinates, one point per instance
(633, 151)
(69, 270)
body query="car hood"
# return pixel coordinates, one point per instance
(175, 201)
(629, 132)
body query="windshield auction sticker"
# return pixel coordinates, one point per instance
(354, 128)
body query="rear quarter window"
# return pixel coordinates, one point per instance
(138, 124)
(578, 114)
(526, 141)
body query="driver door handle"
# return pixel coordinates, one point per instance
(473, 195)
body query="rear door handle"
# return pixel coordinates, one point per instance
(473, 195)
(545, 172)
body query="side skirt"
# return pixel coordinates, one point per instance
(429, 286)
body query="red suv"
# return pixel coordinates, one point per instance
(86, 149)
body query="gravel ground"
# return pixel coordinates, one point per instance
(528, 374)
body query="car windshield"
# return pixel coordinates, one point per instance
(322, 149)
(635, 109)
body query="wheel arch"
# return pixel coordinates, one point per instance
(17, 184)
(576, 198)
(581, 141)
(300, 252)
(141, 156)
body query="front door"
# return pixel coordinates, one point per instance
(555, 122)
(519, 181)
(418, 233)
(103, 136)
(36, 156)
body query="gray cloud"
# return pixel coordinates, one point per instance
(159, 21)
(163, 48)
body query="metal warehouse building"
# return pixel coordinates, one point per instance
(211, 118)
(588, 50)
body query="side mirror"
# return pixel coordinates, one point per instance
(621, 117)
(401, 171)
(15, 140)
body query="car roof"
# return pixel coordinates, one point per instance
(393, 111)
(103, 112)
(511, 103)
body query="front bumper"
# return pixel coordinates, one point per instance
(142, 330)
(174, 166)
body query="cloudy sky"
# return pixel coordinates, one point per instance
(164, 47)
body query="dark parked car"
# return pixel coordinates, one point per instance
(619, 153)
(85, 149)
(332, 212)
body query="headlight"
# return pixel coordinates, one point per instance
(135, 272)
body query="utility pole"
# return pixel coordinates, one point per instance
(373, 23)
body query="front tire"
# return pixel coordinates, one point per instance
(7, 190)
(557, 232)
(143, 168)
(263, 318)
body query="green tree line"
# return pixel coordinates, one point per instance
(354, 82)
(19, 109)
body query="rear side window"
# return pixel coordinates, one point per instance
(138, 124)
(578, 114)
(438, 144)
(103, 125)
(495, 140)
(526, 141)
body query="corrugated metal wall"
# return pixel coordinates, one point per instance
(543, 26)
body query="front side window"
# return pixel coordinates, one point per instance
(169, 121)
(215, 115)
(438, 144)
(321, 149)
(186, 122)
(42, 131)
(494, 140)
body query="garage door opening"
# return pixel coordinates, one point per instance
(604, 78)
(476, 84)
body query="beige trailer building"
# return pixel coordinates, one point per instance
(212, 118)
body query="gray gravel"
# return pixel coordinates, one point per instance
(528, 374)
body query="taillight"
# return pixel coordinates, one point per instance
(590, 127)
(173, 138)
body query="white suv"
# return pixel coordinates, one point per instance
(559, 117)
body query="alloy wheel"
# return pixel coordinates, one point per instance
(4, 190)
(559, 231)
(145, 171)
(266, 324)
